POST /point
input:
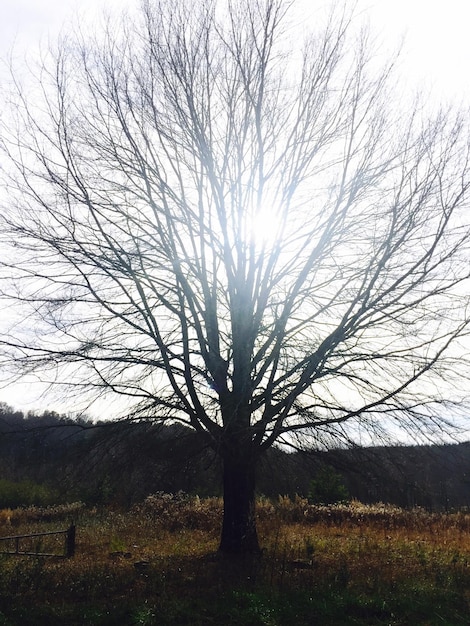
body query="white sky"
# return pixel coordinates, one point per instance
(436, 55)
(437, 49)
(437, 44)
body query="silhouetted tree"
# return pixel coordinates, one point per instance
(237, 231)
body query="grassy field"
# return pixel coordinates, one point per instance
(157, 564)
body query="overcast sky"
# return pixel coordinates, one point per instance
(437, 52)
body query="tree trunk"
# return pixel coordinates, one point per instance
(239, 534)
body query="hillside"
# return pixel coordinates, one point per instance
(123, 462)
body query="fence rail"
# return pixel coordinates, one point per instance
(16, 540)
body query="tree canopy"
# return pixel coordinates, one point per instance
(238, 229)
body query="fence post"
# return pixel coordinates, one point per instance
(70, 541)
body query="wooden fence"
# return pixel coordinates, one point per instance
(17, 543)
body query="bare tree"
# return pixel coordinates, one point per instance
(238, 233)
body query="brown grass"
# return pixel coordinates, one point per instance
(166, 548)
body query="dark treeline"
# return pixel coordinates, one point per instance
(122, 462)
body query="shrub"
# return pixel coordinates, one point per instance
(179, 510)
(327, 487)
(25, 493)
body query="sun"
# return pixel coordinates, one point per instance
(265, 227)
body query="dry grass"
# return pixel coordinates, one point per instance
(163, 554)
